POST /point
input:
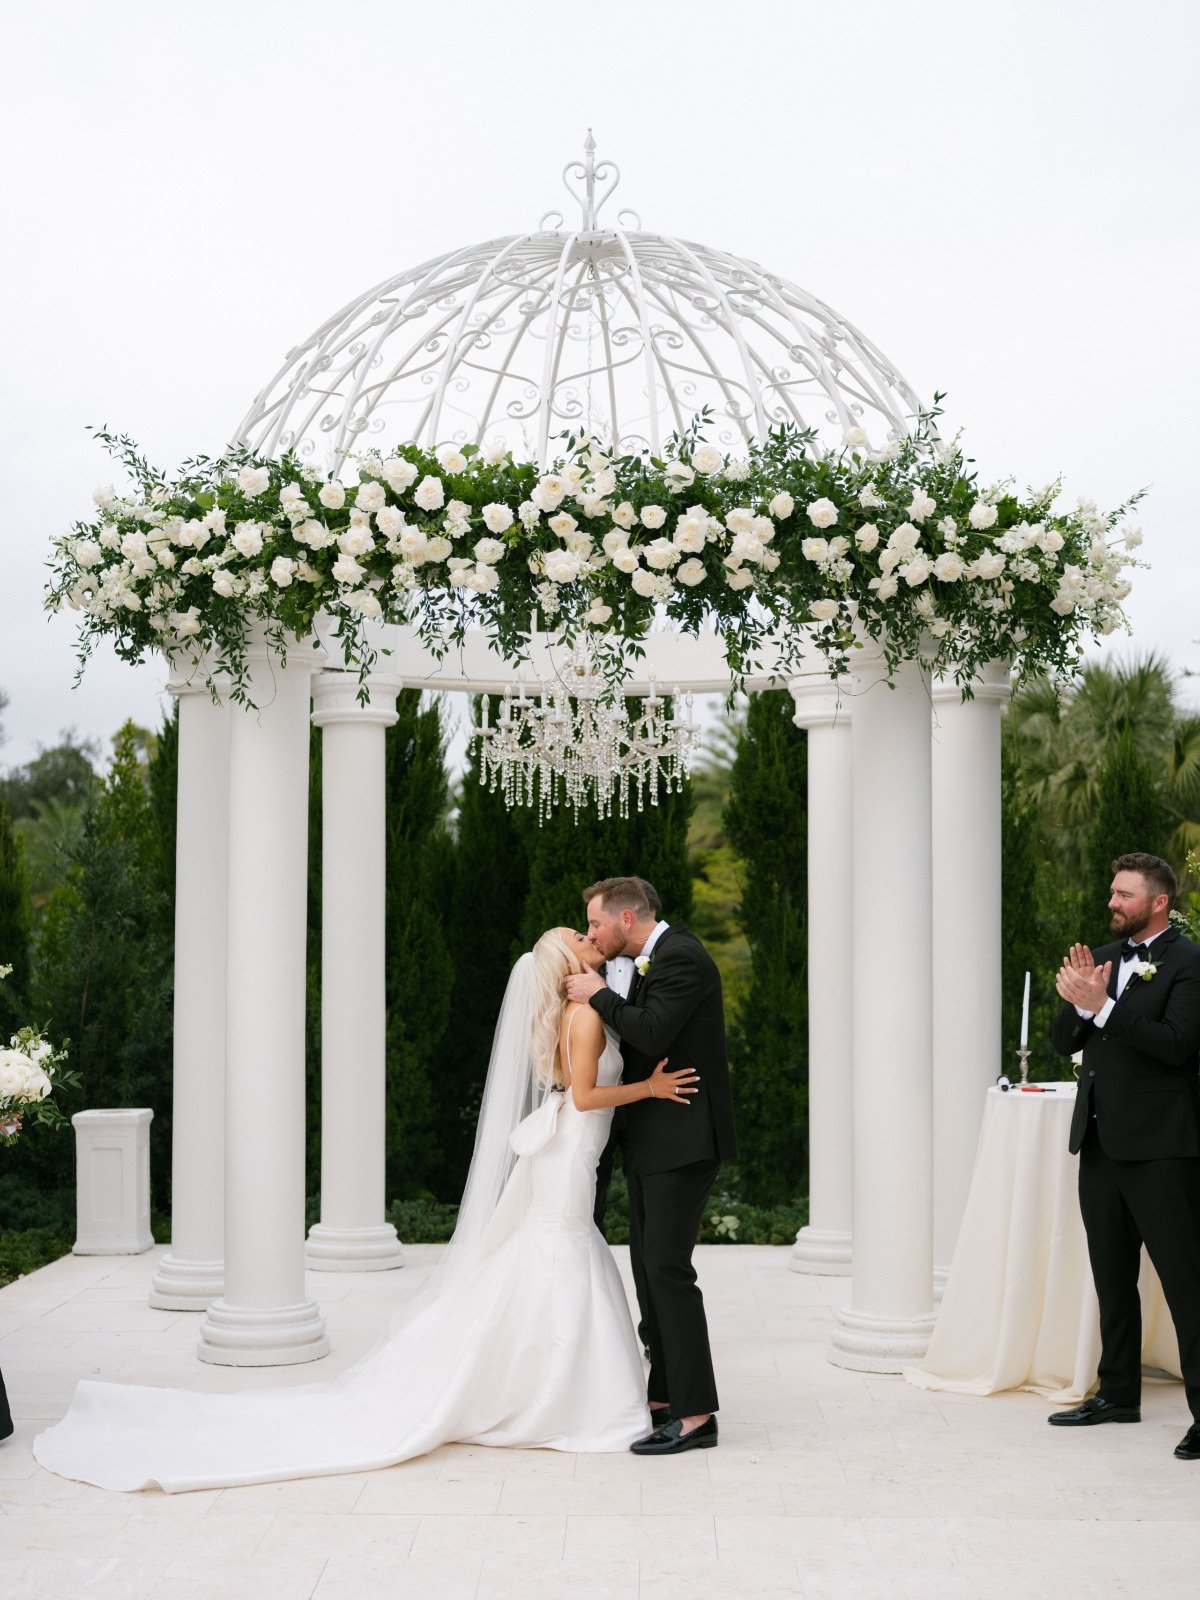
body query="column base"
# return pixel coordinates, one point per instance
(824, 1251)
(866, 1342)
(182, 1285)
(353, 1249)
(274, 1336)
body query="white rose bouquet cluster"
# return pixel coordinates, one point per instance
(30, 1069)
(901, 542)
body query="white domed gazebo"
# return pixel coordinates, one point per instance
(627, 334)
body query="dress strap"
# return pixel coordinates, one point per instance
(570, 1025)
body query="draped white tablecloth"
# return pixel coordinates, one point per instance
(1019, 1308)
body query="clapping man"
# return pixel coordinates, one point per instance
(1133, 1008)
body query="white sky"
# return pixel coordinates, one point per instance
(1003, 196)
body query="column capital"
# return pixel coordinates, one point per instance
(820, 702)
(992, 682)
(336, 698)
(190, 674)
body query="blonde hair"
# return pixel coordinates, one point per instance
(553, 962)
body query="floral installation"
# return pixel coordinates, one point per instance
(30, 1070)
(902, 542)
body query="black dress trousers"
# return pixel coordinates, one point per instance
(6, 1421)
(665, 1213)
(1126, 1204)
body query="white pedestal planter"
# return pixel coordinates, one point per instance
(890, 1317)
(191, 1275)
(352, 1235)
(112, 1182)
(824, 1245)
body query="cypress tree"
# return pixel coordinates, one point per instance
(1131, 814)
(420, 976)
(766, 818)
(14, 929)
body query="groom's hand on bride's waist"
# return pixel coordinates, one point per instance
(581, 986)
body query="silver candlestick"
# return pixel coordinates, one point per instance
(1023, 1054)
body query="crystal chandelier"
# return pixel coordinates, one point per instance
(575, 740)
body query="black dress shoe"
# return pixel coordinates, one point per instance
(670, 1439)
(1097, 1409)
(1188, 1448)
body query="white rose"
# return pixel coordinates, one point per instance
(824, 610)
(853, 438)
(253, 480)
(399, 474)
(489, 551)
(904, 539)
(867, 537)
(653, 517)
(739, 580)
(346, 570)
(356, 540)
(615, 539)
(247, 539)
(692, 572)
(573, 476)
(679, 475)
(486, 579)
(105, 497)
(661, 554)
(390, 520)
(916, 571)
(869, 498)
(562, 524)
(290, 495)
(989, 565)
(192, 567)
(370, 497)
(782, 505)
(644, 583)
(14, 1074)
(691, 533)
(1063, 603)
(430, 493)
(186, 623)
(737, 471)
(603, 484)
(949, 567)
(746, 547)
(332, 496)
(452, 459)
(438, 549)
(224, 583)
(497, 518)
(597, 613)
(1133, 538)
(550, 492)
(921, 506)
(885, 588)
(561, 566)
(822, 513)
(1053, 541)
(283, 570)
(982, 515)
(624, 516)
(363, 600)
(87, 553)
(740, 519)
(625, 559)
(815, 549)
(707, 458)
(495, 453)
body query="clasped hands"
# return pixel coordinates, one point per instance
(1080, 981)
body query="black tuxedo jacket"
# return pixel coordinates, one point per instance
(1140, 1070)
(676, 1011)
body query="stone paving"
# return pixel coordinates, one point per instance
(827, 1484)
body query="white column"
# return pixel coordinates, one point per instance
(264, 1318)
(966, 937)
(190, 1276)
(823, 1245)
(890, 1316)
(352, 1235)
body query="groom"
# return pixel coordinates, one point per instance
(674, 1010)
(1133, 1008)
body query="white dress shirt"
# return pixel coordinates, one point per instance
(1124, 973)
(619, 970)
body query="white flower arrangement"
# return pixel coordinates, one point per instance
(797, 544)
(1145, 970)
(642, 965)
(30, 1070)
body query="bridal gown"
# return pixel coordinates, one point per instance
(533, 1348)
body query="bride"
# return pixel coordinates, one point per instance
(522, 1336)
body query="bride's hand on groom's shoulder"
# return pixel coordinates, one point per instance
(581, 986)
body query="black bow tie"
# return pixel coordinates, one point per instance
(1135, 952)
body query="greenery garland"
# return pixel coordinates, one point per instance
(787, 540)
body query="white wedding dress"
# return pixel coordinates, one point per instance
(532, 1345)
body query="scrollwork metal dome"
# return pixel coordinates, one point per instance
(624, 332)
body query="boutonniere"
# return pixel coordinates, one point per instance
(1146, 970)
(642, 965)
